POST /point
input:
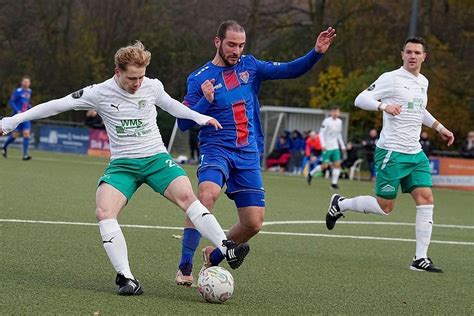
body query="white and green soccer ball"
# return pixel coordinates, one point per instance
(215, 284)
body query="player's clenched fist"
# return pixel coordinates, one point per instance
(207, 88)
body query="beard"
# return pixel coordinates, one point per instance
(226, 60)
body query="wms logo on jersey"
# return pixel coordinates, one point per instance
(129, 125)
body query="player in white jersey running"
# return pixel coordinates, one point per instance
(127, 104)
(402, 96)
(330, 135)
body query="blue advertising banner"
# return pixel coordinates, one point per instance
(64, 139)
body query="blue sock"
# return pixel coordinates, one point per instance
(216, 257)
(191, 238)
(9, 140)
(26, 144)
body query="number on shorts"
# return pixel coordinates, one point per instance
(170, 163)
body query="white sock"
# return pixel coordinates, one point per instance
(115, 246)
(315, 169)
(364, 204)
(424, 226)
(206, 224)
(335, 175)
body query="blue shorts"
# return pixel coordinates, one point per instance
(239, 170)
(23, 126)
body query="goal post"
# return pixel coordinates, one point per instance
(275, 120)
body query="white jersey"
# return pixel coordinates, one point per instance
(330, 134)
(130, 119)
(401, 133)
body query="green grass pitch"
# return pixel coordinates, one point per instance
(291, 269)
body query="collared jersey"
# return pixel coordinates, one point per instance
(401, 133)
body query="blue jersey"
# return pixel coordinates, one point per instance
(236, 105)
(20, 100)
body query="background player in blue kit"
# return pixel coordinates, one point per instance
(20, 102)
(227, 88)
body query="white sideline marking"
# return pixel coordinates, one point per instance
(96, 163)
(365, 223)
(262, 232)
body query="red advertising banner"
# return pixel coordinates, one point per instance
(454, 173)
(98, 143)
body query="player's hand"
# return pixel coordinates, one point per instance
(324, 40)
(446, 134)
(207, 88)
(6, 126)
(214, 123)
(393, 109)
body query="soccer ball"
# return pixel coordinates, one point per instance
(215, 285)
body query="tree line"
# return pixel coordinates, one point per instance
(67, 44)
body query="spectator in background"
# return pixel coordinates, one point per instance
(280, 156)
(297, 149)
(194, 143)
(93, 120)
(369, 146)
(351, 157)
(20, 102)
(426, 144)
(467, 148)
(312, 152)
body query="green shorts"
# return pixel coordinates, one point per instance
(128, 174)
(332, 155)
(411, 171)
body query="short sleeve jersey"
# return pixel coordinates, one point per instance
(401, 133)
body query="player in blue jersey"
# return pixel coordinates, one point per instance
(227, 88)
(20, 102)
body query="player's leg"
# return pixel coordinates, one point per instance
(110, 202)
(116, 187)
(423, 225)
(211, 178)
(418, 184)
(319, 168)
(26, 141)
(336, 172)
(180, 192)
(249, 224)
(386, 187)
(11, 138)
(208, 194)
(245, 188)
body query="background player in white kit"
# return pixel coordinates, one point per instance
(127, 104)
(402, 95)
(330, 135)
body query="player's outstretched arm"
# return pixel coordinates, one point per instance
(301, 65)
(40, 111)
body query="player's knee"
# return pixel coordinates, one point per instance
(254, 226)
(208, 199)
(101, 213)
(423, 196)
(386, 205)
